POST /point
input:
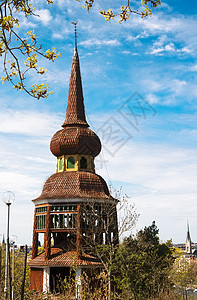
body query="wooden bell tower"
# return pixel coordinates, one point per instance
(75, 210)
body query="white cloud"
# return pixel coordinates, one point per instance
(126, 52)
(158, 24)
(180, 29)
(133, 38)
(24, 22)
(58, 36)
(160, 179)
(152, 99)
(18, 182)
(157, 51)
(100, 42)
(44, 16)
(64, 3)
(162, 45)
(168, 47)
(21, 219)
(156, 167)
(28, 122)
(174, 87)
(152, 85)
(193, 68)
(177, 86)
(61, 79)
(185, 133)
(62, 28)
(186, 50)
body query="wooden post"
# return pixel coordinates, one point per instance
(116, 237)
(35, 238)
(47, 235)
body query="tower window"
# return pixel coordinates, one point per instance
(61, 163)
(83, 163)
(41, 209)
(41, 222)
(62, 221)
(70, 163)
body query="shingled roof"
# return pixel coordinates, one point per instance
(59, 258)
(75, 140)
(75, 184)
(75, 113)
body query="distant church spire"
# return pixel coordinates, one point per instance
(188, 244)
(3, 241)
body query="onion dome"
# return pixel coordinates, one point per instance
(75, 185)
(75, 140)
(75, 137)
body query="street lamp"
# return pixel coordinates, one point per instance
(8, 199)
(13, 241)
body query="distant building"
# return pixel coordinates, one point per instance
(189, 248)
(188, 244)
(3, 241)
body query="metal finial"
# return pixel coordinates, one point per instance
(75, 24)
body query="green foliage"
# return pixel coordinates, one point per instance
(142, 264)
(125, 10)
(11, 44)
(193, 270)
(131, 269)
(18, 273)
(184, 272)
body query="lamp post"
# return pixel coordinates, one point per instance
(8, 198)
(13, 241)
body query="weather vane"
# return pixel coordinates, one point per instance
(75, 24)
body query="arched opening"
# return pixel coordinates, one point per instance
(70, 163)
(83, 163)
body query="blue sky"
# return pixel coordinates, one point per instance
(154, 156)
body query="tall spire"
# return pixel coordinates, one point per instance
(188, 244)
(75, 113)
(188, 232)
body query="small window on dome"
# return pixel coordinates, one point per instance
(61, 163)
(70, 163)
(83, 163)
